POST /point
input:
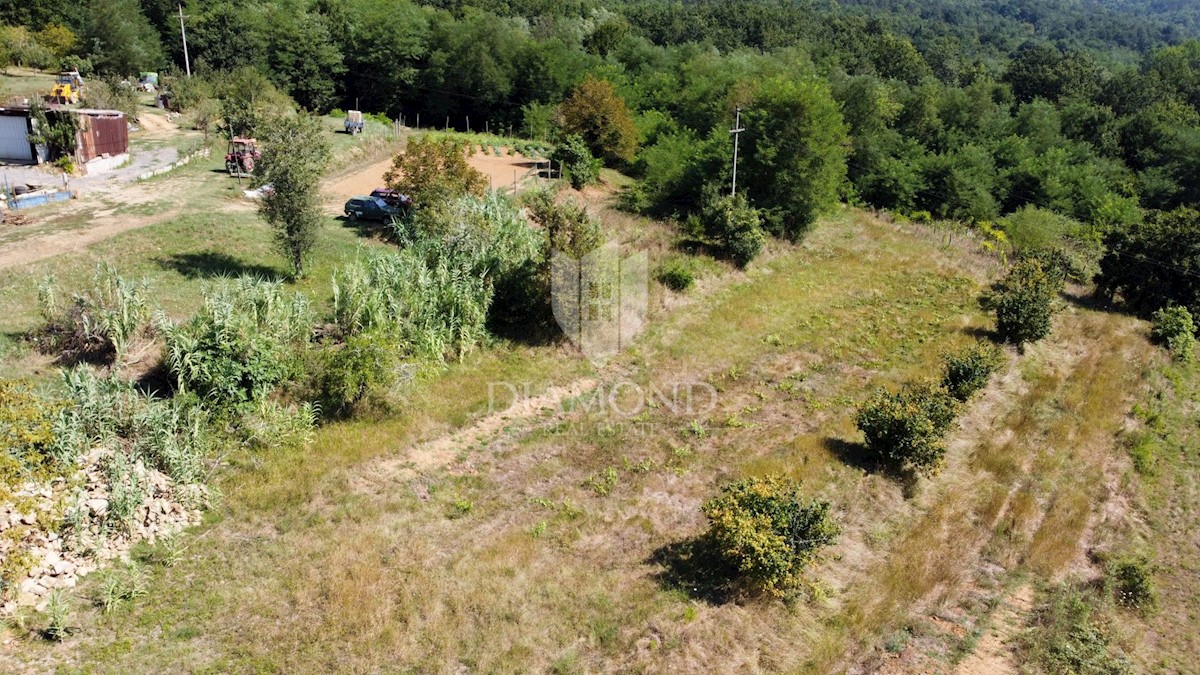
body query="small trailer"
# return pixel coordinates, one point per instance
(354, 122)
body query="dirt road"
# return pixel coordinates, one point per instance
(103, 224)
(501, 171)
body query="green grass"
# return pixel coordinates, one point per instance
(1166, 418)
(25, 82)
(549, 544)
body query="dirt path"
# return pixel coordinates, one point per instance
(45, 246)
(993, 655)
(443, 451)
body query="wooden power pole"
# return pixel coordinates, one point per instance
(187, 62)
(737, 129)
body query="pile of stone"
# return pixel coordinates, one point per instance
(53, 534)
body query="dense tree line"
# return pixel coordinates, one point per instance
(963, 110)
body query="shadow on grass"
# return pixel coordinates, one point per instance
(1086, 299)
(694, 567)
(210, 264)
(156, 381)
(858, 456)
(696, 247)
(982, 333)
(854, 454)
(369, 229)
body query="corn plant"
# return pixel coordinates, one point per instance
(433, 309)
(119, 586)
(127, 488)
(174, 438)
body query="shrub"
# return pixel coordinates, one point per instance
(364, 365)
(434, 171)
(97, 321)
(1025, 302)
(576, 162)
(1173, 327)
(111, 93)
(967, 371)
(904, 429)
(677, 273)
(1132, 582)
(1143, 452)
(1152, 265)
(24, 48)
(1064, 245)
(187, 93)
(244, 341)
(1066, 637)
(26, 436)
(734, 227)
(56, 131)
(432, 306)
(767, 532)
(569, 227)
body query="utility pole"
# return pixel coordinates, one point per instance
(737, 129)
(187, 62)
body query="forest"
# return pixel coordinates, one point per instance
(319, 414)
(967, 111)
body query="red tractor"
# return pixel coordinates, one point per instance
(242, 154)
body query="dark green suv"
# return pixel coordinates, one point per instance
(370, 208)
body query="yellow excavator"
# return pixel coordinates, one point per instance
(67, 88)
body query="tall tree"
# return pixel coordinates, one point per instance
(119, 38)
(794, 153)
(599, 115)
(301, 54)
(384, 44)
(295, 154)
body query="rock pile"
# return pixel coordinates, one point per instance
(53, 534)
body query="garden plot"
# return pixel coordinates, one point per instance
(500, 171)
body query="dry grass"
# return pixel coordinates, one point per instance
(552, 547)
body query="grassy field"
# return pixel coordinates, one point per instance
(457, 534)
(24, 82)
(560, 541)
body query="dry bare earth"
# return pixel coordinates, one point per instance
(554, 541)
(499, 171)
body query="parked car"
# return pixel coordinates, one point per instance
(393, 197)
(370, 208)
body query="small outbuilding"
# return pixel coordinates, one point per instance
(101, 137)
(15, 126)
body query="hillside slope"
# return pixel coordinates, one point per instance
(560, 538)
